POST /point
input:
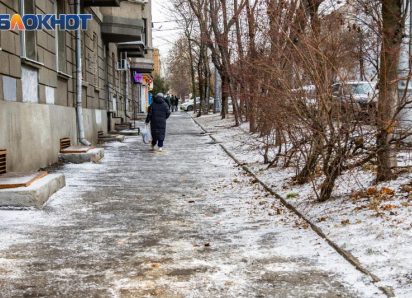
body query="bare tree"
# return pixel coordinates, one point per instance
(392, 33)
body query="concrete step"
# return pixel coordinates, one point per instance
(34, 195)
(15, 180)
(93, 155)
(77, 149)
(129, 132)
(112, 138)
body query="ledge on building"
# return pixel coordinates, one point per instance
(102, 3)
(118, 29)
(142, 65)
(64, 75)
(134, 49)
(32, 63)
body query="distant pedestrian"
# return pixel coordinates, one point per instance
(167, 99)
(176, 103)
(158, 112)
(172, 103)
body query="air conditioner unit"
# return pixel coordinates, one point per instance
(122, 65)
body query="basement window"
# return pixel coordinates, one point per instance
(3, 161)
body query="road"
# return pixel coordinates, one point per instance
(182, 223)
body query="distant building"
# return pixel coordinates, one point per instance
(157, 62)
(38, 76)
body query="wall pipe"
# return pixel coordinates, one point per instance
(79, 78)
(108, 90)
(126, 93)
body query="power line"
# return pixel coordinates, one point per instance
(171, 29)
(167, 21)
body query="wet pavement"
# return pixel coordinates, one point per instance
(182, 223)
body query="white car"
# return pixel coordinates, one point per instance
(306, 94)
(189, 106)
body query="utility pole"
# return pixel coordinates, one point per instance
(217, 105)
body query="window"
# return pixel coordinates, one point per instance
(61, 40)
(144, 34)
(28, 37)
(95, 60)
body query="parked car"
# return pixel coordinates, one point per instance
(189, 106)
(306, 95)
(358, 97)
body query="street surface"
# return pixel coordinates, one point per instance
(183, 223)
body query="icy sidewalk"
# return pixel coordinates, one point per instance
(182, 223)
(377, 232)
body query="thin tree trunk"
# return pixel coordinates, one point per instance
(225, 95)
(392, 24)
(331, 176)
(252, 102)
(192, 70)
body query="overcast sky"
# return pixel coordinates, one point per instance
(163, 33)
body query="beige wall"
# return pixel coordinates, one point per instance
(156, 62)
(31, 133)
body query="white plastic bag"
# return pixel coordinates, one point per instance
(147, 135)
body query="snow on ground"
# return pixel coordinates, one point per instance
(94, 238)
(367, 220)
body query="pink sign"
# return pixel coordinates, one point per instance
(138, 77)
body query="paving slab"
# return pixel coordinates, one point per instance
(34, 195)
(93, 155)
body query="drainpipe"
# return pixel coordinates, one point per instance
(126, 92)
(107, 87)
(79, 108)
(106, 79)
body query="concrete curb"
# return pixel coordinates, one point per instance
(345, 254)
(34, 195)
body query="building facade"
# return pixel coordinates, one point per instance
(157, 62)
(38, 76)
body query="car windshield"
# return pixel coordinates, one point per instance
(359, 88)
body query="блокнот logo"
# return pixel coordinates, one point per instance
(44, 22)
